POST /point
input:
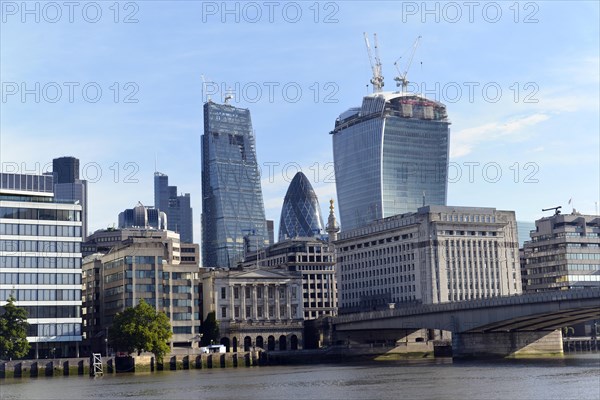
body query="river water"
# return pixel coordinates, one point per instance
(571, 377)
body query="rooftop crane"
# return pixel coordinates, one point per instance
(556, 209)
(377, 79)
(401, 78)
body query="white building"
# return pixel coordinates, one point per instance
(435, 255)
(40, 262)
(255, 307)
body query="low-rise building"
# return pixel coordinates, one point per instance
(255, 307)
(145, 264)
(563, 253)
(435, 255)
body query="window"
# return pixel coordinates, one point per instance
(223, 312)
(223, 293)
(236, 292)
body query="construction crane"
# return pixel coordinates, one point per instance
(401, 78)
(556, 209)
(377, 79)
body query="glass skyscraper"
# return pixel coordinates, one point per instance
(177, 207)
(390, 156)
(232, 203)
(300, 214)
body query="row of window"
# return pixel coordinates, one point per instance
(260, 312)
(42, 246)
(42, 294)
(52, 311)
(40, 262)
(39, 214)
(40, 230)
(45, 330)
(40, 279)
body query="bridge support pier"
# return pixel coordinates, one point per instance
(507, 344)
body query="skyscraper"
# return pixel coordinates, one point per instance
(391, 157)
(177, 207)
(232, 203)
(300, 214)
(68, 186)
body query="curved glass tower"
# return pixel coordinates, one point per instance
(390, 156)
(300, 214)
(232, 202)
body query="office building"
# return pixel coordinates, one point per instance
(301, 213)
(40, 262)
(68, 186)
(232, 202)
(177, 207)
(140, 264)
(435, 255)
(523, 230)
(143, 217)
(391, 157)
(255, 307)
(563, 253)
(315, 260)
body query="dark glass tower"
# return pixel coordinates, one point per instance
(68, 186)
(390, 156)
(177, 207)
(300, 214)
(232, 202)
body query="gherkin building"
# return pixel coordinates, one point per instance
(300, 214)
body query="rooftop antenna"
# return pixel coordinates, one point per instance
(375, 62)
(401, 78)
(204, 87)
(228, 96)
(556, 209)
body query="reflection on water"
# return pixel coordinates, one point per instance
(572, 377)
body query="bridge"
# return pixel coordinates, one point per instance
(502, 326)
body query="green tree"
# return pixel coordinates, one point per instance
(139, 329)
(210, 330)
(13, 331)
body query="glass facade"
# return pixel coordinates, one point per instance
(391, 157)
(232, 203)
(300, 214)
(177, 208)
(40, 263)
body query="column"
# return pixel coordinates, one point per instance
(288, 298)
(243, 303)
(231, 303)
(277, 314)
(254, 302)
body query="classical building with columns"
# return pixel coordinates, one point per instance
(255, 307)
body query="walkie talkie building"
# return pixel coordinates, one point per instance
(390, 156)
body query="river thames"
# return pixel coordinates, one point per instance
(571, 377)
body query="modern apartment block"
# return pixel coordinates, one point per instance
(40, 262)
(563, 253)
(177, 207)
(140, 264)
(391, 157)
(435, 255)
(232, 202)
(315, 260)
(255, 307)
(68, 186)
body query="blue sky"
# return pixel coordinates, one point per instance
(520, 80)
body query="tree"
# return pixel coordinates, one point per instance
(210, 330)
(13, 331)
(140, 329)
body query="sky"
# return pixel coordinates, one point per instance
(120, 85)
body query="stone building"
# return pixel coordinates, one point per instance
(140, 264)
(255, 307)
(435, 255)
(315, 260)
